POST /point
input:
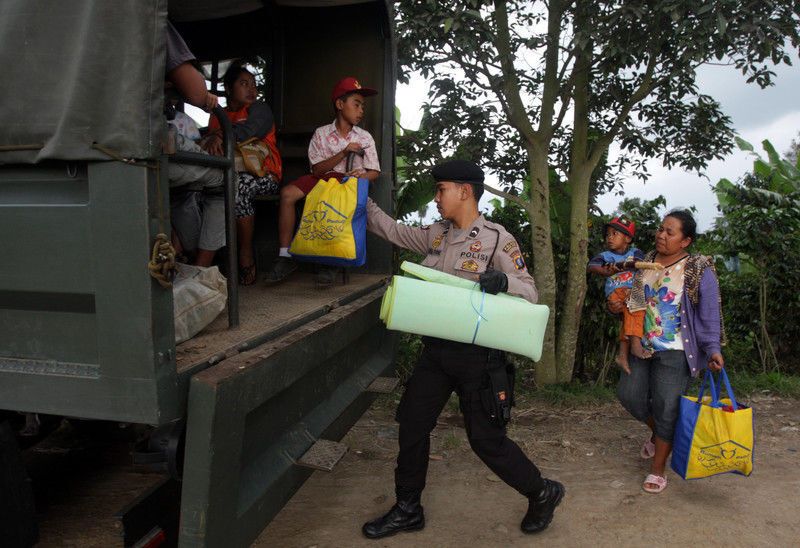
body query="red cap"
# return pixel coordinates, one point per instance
(623, 224)
(346, 85)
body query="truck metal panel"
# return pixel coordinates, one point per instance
(84, 331)
(254, 415)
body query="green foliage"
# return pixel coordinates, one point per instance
(572, 394)
(504, 76)
(745, 384)
(409, 350)
(414, 188)
(759, 228)
(632, 46)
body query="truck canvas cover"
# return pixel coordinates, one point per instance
(78, 74)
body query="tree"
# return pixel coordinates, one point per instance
(760, 225)
(536, 88)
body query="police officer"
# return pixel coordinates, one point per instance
(466, 245)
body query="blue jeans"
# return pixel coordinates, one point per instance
(654, 389)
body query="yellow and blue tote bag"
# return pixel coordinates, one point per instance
(714, 435)
(333, 228)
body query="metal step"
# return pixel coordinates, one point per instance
(383, 385)
(323, 455)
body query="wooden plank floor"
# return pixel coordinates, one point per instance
(263, 309)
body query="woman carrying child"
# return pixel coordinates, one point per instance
(683, 330)
(250, 118)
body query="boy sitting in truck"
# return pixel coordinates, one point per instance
(328, 153)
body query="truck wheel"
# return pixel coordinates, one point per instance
(17, 511)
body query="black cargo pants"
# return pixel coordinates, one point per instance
(445, 366)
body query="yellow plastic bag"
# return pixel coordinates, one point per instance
(333, 226)
(714, 435)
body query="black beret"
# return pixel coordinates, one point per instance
(458, 171)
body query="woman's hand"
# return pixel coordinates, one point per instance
(716, 362)
(210, 102)
(615, 307)
(212, 143)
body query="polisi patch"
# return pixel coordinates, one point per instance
(475, 247)
(483, 257)
(470, 265)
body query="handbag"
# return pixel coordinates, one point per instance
(250, 156)
(713, 435)
(333, 227)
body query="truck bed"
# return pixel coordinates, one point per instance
(266, 312)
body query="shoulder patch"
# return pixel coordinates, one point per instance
(519, 262)
(511, 245)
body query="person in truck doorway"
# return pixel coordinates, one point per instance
(328, 152)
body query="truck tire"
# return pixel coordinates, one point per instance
(17, 510)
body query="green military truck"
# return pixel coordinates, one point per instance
(86, 332)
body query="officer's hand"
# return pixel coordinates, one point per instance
(493, 281)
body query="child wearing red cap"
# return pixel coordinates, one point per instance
(328, 154)
(619, 234)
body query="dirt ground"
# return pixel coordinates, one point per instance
(594, 451)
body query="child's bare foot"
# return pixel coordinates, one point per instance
(622, 356)
(622, 362)
(638, 350)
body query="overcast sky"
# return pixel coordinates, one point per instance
(772, 113)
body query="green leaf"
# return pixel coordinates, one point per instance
(772, 154)
(723, 190)
(743, 145)
(722, 23)
(448, 24)
(762, 169)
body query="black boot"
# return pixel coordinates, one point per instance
(405, 515)
(541, 506)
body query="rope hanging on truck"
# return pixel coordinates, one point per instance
(162, 261)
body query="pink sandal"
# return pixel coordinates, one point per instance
(648, 449)
(659, 481)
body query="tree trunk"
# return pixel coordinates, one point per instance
(579, 179)
(546, 371)
(572, 304)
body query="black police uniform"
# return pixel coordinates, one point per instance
(487, 250)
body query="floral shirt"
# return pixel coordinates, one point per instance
(326, 143)
(663, 290)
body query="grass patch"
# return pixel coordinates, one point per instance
(571, 394)
(775, 383)
(451, 441)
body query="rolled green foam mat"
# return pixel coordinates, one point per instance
(448, 307)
